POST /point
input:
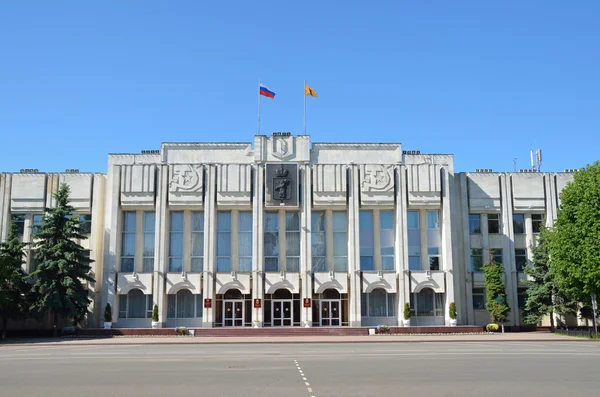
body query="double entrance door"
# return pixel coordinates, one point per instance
(283, 312)
(233, 313)
(331, 314)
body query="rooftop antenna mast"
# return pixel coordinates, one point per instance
(536, 159)
(515, 164)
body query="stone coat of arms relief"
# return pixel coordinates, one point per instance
(283, 146)
(185, 178)
(377, 178)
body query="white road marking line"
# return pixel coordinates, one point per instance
(304, 378)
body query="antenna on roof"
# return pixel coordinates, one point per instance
(536, 159)
(515, 164)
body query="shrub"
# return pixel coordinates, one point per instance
(452, 311)
(383, 329)
(68, 331)
(407, 311)
(155, 313)
(108, 314)
(181, 331)
(492, 328)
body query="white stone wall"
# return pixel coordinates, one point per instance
(211, 177)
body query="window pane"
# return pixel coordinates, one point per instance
(412, 219)
(386, 234)
(197, 244)
(197, 264)
(366, 263)
(245, 264)
(245, 244)
(292, 242)
(364, 308)
(185, 304)
(366, 240)
(148, 265)
(175, 265)
(148, 244)
(136, 304)
(537, 220)
(391, 305)
(520, 259)
(176, 224)
(128, 245)
(496, 253)
(377, 303)
(171, 302)
(122, 306)
(271, 221)
(271, 264)
(414, 263)
(149, 221)
(199, 306)
(519, 223)
(340, 221)
(476, 260)
(434, 263)
(340, 264)
(223, 243)
(318, 241)
(292, 264)
(224, 221)
(245, 221)
(425, 302)
(271, 244)
(494, 224)
(474, 224)
(19, 219)
(433, 219)
(176, 244)
(386, 219)
(223, 264)
(197, 221)
(292, 221)
(129, 221)
(340, 244)
(387, 263)
(318, 264)
(127, 265)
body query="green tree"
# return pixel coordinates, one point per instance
(496, 303)
(542, 295)
(63, 263)
(13, 284)
(574, 244)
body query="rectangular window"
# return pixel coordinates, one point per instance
(85, 223)
(128, 242)
(19, 219)
(340, 241)
(245, 241)
(520, 259)
(378, 304)
(367, 245)
(176, 241)
(319, 241)
(519, 223)
(184, 305)
(223, 241)
(474, 224)
(197, 243)
(537, 221)
(494, 225)
(476, 260)
(292, 241)
(414, 240)
(479, 298)
(386, 239)
(271, 243)
(496, 255)
(37, 222)
(148, 252)
(434, 238)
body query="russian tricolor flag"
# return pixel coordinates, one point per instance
(264, 91)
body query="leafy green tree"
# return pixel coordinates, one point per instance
(63, 264)
(496, 303)
(13, 284)
(574, 244)
(543, 296)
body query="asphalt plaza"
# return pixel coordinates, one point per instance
(490, 368)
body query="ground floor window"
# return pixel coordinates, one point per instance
(378, 303)
(184, 304)
(427, 307)
(330, 309)
(135, 305)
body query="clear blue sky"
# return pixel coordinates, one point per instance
(484, 80)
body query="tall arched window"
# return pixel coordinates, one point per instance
(135, 305)
(427, 303)
(378, 303)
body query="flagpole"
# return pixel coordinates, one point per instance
(304, 88)
(258, 107)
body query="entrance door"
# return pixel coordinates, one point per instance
(233, 313)
(330, 312)
(283, 312)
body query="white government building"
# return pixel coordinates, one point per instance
(282, 232)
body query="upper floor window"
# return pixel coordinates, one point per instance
(476, 260)
(433, 239)
(223, 241)
(85, 223)
(245, 241)
(520, 259)
(414, 240)
(19, 219)
(318, 235)
(197, 241)
(340, 241)
(290, 240)
(496, 255)
(176, 241)
(474, 224)
(519, 223)
(148, 248)
(537, 221)
(271, 241)
(494, 224)
(386, 239)
(128, 241)
(37, 222)
(478, 298)
(367, 243)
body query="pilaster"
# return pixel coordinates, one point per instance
(111, 239)
(508, 249)
(210, 246)
(305, 244)
(464, 307)
(447, 259)
(160, 243)
(354, 247)
(401, 242)
(258, 240)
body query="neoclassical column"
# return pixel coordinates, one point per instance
(210, 245)
(401, 243)
(354, 247)
(258, 241)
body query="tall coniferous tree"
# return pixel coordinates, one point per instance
(13, 284)
(63, 264)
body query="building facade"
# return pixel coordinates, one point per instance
(282, 232)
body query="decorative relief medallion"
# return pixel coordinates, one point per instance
(377, 177)
(283, 146)
(186, 178)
